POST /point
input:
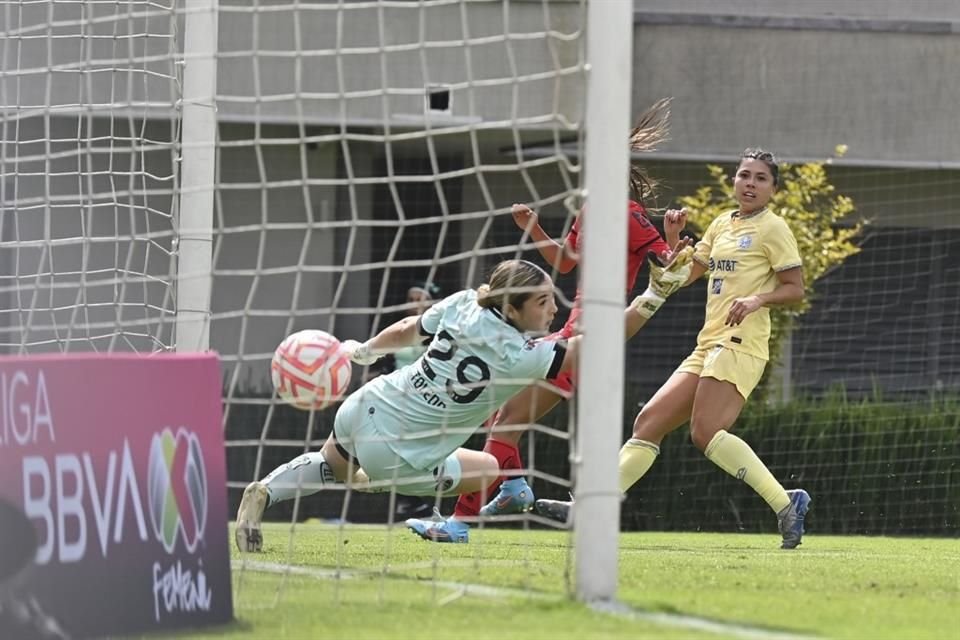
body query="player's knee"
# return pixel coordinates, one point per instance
(645, 426)
(701, 433)
(490, 466)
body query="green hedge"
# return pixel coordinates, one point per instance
(872, 467)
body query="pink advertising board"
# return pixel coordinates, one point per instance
(117, 461)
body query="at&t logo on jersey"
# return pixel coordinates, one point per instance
(722, 264)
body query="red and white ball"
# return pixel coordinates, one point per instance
(310, 370)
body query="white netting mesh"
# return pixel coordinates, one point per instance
(89, 92)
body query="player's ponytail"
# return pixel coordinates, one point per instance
(483, 296)
(651, 129)
(510, 284)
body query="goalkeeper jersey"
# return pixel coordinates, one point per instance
(742, 256)
(474, 363)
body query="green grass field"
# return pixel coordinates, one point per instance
(513, 584)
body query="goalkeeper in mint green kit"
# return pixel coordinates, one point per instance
(405, 430)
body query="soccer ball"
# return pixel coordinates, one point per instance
(310, 370)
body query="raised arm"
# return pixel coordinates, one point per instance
(674, 222)
(559, 255)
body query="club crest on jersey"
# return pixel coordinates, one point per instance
(529, 344)
(744, 242)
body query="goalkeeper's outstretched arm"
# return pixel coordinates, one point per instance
(400, 334)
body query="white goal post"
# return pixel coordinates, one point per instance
(198, 138)
(600, 393)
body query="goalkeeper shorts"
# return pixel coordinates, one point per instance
(740, 369)
(357, 433)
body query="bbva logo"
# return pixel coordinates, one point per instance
(177, 488)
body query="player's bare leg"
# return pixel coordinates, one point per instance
(476, 471)
(717, 406)
(512, 421)
(668, 410)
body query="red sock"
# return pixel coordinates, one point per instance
(508, 456)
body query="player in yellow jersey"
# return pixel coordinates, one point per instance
(752, 262)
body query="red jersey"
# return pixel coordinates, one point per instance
(643, 237)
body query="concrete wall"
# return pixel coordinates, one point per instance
(382, 60)
(798, 77)
(802, 92)
(886, 197)
(326, 62)
(888, 9)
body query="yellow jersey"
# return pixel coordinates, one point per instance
(742, 255)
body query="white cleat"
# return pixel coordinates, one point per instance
(248, 535)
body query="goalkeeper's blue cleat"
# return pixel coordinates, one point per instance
(515, 496)
(790, 520)
(440, 530)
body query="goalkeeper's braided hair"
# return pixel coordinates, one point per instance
(767, 158)
(651, 129)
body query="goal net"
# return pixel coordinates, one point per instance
(363, 150)
(90, 128)
(370, 152)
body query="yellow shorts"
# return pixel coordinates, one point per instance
(741, 369)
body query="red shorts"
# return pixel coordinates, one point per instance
(566, 380)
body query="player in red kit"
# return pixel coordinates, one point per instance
(531, 404)
(536, 401)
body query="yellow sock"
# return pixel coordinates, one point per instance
(735, 456)
(636, 458)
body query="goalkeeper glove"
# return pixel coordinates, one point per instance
(665, 280)
(359, 352)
